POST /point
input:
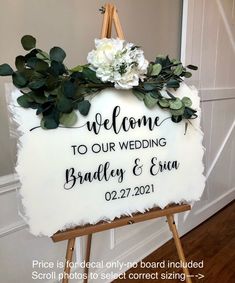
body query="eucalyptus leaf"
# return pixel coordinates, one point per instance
(78, 68)
(42, 55)
(172, 83)
(155, 94)
(176, 119)
(175, 104)
(40, 99)
(19, 80)
(149, 86)
(52, 83)
(140, 95)
(65, 105)
(178, 111)
(150, 101)
(187, 75)
(189, 113)
(187, 101)
(164, 103)
(192, 67)
(6, 70)
(31, 62)
(49, 123)
(23, 101)
(36, 84)
(90, 75)
(69, 89)
(84, 107)
(28, 42)
(69, 119)
(20, 63)
(178, 70)
(41, 66)
(156, 69)
(57, 68)
(57, 54)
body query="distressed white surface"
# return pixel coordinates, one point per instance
(43, 157)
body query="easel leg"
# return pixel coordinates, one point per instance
(68, 259)
(87, 258)
(171, 223)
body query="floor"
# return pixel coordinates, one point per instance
(213, 242)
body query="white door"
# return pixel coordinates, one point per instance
(208, 41)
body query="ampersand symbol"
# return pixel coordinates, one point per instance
(137, 169)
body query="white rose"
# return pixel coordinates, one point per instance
(105, 51)
(119, 62)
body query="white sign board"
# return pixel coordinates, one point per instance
(120, 159)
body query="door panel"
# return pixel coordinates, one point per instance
(208, 41)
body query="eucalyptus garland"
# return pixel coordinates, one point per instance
(56, 92)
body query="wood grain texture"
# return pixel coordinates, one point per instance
(213, 242)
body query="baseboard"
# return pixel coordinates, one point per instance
(12, 228)
(8, 183)
(202, 214)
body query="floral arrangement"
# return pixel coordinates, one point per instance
(56, 92)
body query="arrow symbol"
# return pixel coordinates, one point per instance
(199, 276)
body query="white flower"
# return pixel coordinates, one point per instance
(119, 62)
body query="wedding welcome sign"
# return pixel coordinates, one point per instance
(116, 136)
(120, 159)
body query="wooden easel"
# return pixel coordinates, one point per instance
(111, 16)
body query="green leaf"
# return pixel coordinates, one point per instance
(20, 63)
(6, 70)
(84, 107)
(187, 101)
(149, 70)
(164, 103)
(90, 75)
(19, 80)
(69, 89)
(178, 70)
(28, 42)
(52, 83)
(150, 101)
(23, 101)
(39, 99)
(155, 94)
(57, 54)
(172, 83)
(178, 111)
(189, 113)
(41, 66)
(78, 68)
(36, 84)
(42, 55)
(149, 86)
(31, 62)
(69, 119)
(192, 67)
(49, 123)
(187, 75)
(156, 69)
(176, 119)
(140, 95)
(65, 105)
(175, 104)
(57, 68)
